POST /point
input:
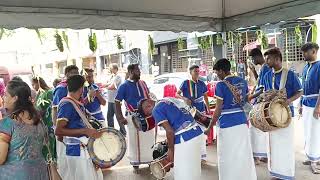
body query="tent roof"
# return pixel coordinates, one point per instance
(174, 15)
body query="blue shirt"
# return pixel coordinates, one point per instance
(292, 85)
(132, 92)
(311, 84)
(59, 92)
(195, 93)
(177, 118)
(67, 111)
(232, 113)
(94, 107)
(264, 70)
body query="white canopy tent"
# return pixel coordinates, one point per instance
(169, 15)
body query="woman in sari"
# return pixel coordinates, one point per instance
(43, 103)
(21, 136)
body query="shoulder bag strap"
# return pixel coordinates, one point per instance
(81, 114)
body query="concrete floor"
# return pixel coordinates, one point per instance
(123, 171)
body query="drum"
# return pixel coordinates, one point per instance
(107, 150)
(142, 123)
(268, 116)
(160, 167)
(95, 124)
(201, 118)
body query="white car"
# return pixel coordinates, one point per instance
(157, 87)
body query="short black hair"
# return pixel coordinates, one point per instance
(131, 67)
(89, 70)
(222, 64)
(255, 52)
(75, 82)
(274, 52)
(309, 45)
(70, 68)
(16, 78)
(193, 67)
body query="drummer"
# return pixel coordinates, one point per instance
(234, 148)
(183, 136)
(258, 138)
(60, 92)
(311, 105)
(78, 164)
(194, 93)
(93, 98)
(132, 91)
(281, 141)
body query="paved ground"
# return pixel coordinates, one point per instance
(123, 170)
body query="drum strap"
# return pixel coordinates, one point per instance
(284, 76)
(81, 114)
(234, 90)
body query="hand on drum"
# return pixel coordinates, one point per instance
(93, 133)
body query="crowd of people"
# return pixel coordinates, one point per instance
(52, 125)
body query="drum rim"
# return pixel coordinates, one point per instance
(102, 163)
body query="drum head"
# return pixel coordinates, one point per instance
(157, 170)
(280, 114)
(107, 150)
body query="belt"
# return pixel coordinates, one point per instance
(231, 111)
(193, 125)
(310, 96)
(75, 141)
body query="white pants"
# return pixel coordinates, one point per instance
(235, 154)
(139, 144)
(80, 168)
(258, 142)
(61, 156)
(203, 144)
(187, 161)
(281, 153)
(311, 134)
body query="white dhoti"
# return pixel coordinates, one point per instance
(281, 153)
(203, 144)
(79, 167)
(61, 156)
(235, 154)
(187, 161)
(258, 142)
(311, 134)
(139, 144)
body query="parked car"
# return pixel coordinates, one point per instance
(176, 79)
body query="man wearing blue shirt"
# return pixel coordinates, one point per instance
(131, 92)
(93, 98)
(281, 141)
(258, 137)
(60, 92)
(182, 132)
(234, 151)
(77, 164)
(311, 105)
(194, 92)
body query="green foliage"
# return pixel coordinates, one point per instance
(66, 39)
(150, 45)
(298, 35)
(59, 41)
(119, 42)
(314, 29)
(181, 43)
(93, 44)
(263, 39)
